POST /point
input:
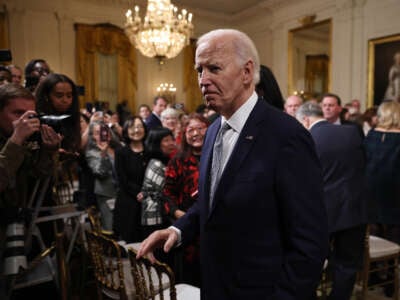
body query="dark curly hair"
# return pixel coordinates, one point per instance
(71, 130)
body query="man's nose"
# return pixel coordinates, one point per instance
(204, 78)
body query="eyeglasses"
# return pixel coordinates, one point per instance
(137, 127)
(192, 130)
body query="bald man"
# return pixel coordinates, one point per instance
(292, 104)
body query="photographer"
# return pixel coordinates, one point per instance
(22, 161)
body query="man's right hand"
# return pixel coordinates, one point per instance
(166, 238)
(24, 127)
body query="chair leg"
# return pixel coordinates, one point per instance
(396, 279)
(365, 278)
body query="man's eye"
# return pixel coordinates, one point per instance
(214, 69)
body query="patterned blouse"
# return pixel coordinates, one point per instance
(181, 183)
(152, 202)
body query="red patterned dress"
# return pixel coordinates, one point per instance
(180, 191)
(181, 182)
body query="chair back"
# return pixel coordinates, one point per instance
(152, 281)
(107, 256)
(95, 222)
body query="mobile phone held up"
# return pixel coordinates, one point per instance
(104, 133)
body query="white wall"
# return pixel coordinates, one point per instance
(44, 29)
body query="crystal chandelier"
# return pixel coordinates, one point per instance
(163, 33)
(168, 91)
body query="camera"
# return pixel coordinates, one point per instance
(5, 55)
(14, 255)
(104, 133)
(54, 121)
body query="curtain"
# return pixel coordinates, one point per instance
(108, 79)
(105, 39)
(4, 37)
(190, 84)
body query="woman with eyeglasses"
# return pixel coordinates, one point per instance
(130, 165)
(180, 190)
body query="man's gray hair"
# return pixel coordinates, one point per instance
(309, 109)
(242, 44)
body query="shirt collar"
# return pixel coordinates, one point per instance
(316, 122)
(239, 118)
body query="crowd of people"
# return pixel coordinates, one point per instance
(294, 184)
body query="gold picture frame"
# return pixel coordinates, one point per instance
(381, 52)
(302, 78)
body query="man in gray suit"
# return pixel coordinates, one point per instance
(341, 153)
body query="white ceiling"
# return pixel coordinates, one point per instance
(228, 7)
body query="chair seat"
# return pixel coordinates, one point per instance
(135, 246)
(379, 247)
(183, 292)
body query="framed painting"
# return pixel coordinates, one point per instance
(383, 69)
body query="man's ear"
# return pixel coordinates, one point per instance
(248, 72)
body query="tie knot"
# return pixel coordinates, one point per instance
(225, 127)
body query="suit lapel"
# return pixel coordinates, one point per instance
(245, 142)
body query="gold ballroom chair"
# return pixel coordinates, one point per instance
(380, 255)
(111, 267)
(95, 223)
(149, 277)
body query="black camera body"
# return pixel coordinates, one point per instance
(5, 55)
(54, 121)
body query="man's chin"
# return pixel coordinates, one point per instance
(210, 104)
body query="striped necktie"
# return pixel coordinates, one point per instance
(216, 167)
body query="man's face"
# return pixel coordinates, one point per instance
(356, 105)
(12, 112)
(144, 112)
(160, 105)
(4, 77)
(16, 75)
(221, 79)
(292, 104)
(331, 109)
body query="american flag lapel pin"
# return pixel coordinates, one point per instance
(249, 137)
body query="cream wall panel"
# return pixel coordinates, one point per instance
(44, 29)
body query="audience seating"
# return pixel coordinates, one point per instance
(95, 222)
(150, 281)
(381, 255)
(111, 267)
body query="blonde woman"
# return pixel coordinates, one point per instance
(382, 146)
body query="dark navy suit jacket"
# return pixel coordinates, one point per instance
(153, 122)
(265, 236)
(340, 150)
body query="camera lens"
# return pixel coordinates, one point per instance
(14, 254)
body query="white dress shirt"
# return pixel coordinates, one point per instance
(236, 122)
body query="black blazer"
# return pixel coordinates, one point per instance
(153, 122)
(265, 236)
(340, 150)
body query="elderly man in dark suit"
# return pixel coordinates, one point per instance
(340, 150)
(260, 212)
